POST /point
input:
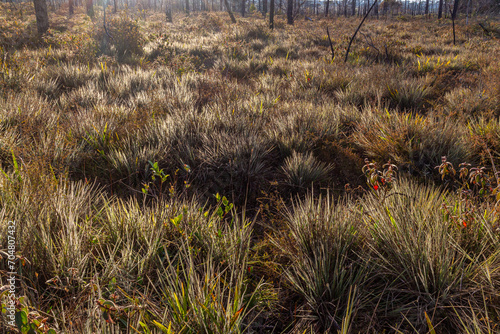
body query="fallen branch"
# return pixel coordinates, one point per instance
(484, 28)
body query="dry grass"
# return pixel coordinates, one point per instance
(114, 153)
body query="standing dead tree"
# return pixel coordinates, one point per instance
(271, 15)
(331, 45)
(355, 33)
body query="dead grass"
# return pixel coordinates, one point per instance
(133, 166)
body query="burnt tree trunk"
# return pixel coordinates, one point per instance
(455, 9)
(271, 14)
(440, 9)
(42, 16)
(289, 12)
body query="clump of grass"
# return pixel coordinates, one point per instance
(468, 103)
(416, 142)
(418, 252)
(323, 248)
(302, 169)
(409, 94)
(126, 39)
(201, 293)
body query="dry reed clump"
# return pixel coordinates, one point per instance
(422, 252)
(303, 169)
(413, 141)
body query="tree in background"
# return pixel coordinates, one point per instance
(228, 8)
(455, 9)
(271, 14)
(90, 8)
(168, 11)
(42, 16)
(289, 12)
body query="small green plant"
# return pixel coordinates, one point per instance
(157, 172)
(224, 206)
(26, 321)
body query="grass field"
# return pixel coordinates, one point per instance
(207, 177)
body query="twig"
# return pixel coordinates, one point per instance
(369, 42)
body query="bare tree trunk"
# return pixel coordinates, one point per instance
(467, 14)
(426, 7)
(71, 7)
(353, 9)
(233, 20)
(90, 8)
(326, 7)
(264, 7)
(289, 12)
(440, 9)
(168, 10)
(243, 8)
(271, 14)
(455, 9)
(42, 16)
